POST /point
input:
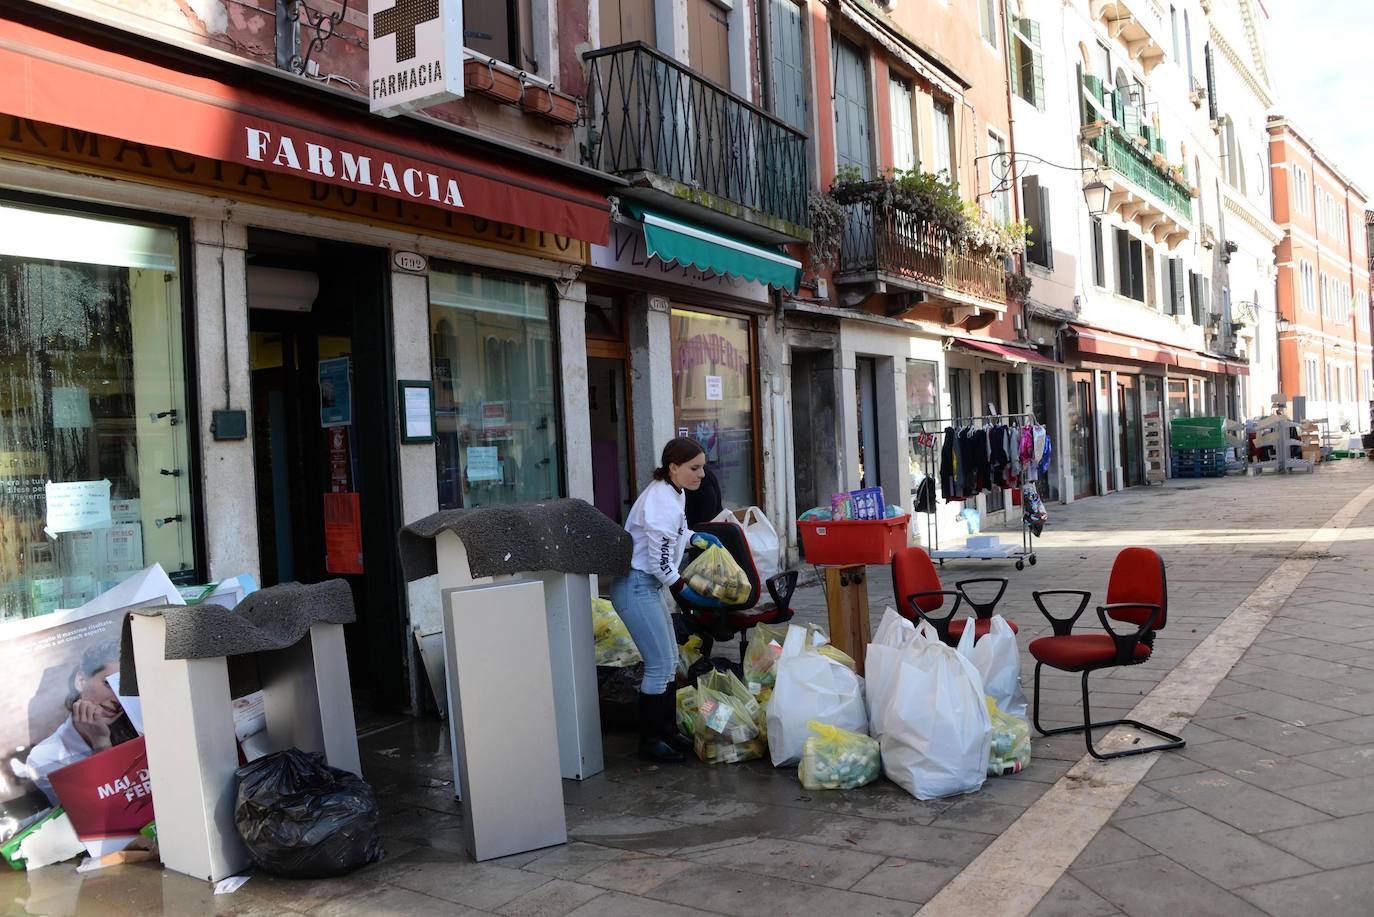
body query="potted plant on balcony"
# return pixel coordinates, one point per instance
(827, 228)
(1018, 286)
(985, 236)
(1093, 129)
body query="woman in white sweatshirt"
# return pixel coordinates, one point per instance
(658, 525)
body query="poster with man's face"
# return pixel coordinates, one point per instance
(62, 707)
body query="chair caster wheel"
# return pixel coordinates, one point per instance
(1020, 565)
(1032, 560)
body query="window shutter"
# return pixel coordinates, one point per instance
(1176, 286)
(1032, 31)
(1014, 50)
(1212, 109)
(1137, 264)
(1123, 262)
(1099, 269)
(1046, 242)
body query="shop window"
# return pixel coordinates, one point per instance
(922, 394)
(1178, 398)
(95, 463)
(713, 397)
(496, 407)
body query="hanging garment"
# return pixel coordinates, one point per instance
(982, 459)
(968, 464)
(1024, 451)
(1045, 456)
(949, 466)
(997, 453)
(925, 496)
(1014, 451)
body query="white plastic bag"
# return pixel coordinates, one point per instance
(810, 686)
(881, 665)
(998, 661)
(937, 733)
(763, 543)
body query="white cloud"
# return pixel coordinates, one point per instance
(1320, 61)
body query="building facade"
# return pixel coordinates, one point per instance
(221, 276)
(1323, 281)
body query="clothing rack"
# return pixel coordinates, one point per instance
(930, 468)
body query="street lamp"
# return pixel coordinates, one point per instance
(1096, 193)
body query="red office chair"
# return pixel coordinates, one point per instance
(1136, 594)
(918, 592)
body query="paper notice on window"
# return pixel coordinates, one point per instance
(715, 389)
(75, 506)
(417, 408)
(483, 463)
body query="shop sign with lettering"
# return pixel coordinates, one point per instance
(626, 253)
(414, 55)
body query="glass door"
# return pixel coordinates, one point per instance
(1104, 419)
(1128, 410)
(1082, 464)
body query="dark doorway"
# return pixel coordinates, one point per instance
(1128, 410)
(870, 459)
(324, 439)
(814, 425)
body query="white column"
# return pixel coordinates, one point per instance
(894, 468)
(221, 315)
(651, 369)
(847, 409)
(577, 424)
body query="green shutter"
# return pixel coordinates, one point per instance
(1037, 63)
(1014, 50)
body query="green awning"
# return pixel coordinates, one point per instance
(673, 240)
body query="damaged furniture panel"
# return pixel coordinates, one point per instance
(294, 636)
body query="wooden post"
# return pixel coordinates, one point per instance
(846, 601)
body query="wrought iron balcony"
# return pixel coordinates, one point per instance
(1141, 190)
(693, 140)
(884, 242)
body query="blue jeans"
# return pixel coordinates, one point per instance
(636, 597)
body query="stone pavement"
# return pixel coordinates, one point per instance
(1269, 808)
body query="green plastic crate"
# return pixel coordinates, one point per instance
(1197, 433)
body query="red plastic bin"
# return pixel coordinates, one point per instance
(857, 541)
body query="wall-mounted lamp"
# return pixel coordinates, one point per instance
(1097, 193)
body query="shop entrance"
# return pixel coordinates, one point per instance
(1082, 452)
(814, 422)
(609, 404)
(866, 381)
(324, 445)
(1128, 410)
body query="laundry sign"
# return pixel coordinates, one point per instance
(414, 55)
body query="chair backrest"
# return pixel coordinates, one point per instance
(1138, 576)
(913, 571)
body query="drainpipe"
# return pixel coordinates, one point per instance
(1011, 151)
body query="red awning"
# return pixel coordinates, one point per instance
(1121, 346)
(1005, 351)
(1108, 344)
(64, 82)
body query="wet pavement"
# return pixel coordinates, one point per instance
(1270, 807)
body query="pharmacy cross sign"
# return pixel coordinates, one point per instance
(401, 20)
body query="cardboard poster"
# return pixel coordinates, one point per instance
(53, 662)
(343, 533)
(108, 794)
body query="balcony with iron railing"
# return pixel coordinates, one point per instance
(692, 147)
(1132, 157)
(883, 242)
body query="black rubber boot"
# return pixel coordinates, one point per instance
(654, 744)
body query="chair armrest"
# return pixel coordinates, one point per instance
(1063, 627)
(941, 624)
(984, 609)
(781, 586)
(1126, 643)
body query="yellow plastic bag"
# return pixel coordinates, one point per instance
(614, 646)
(715, 574)
(687, 655)
(726, 726)
(761, 655)
(1011, 742)
(839, 655)
(687, 710)
(837, 759)
(763, 697)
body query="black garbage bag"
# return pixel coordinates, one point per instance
(617, 691)
(302, 819)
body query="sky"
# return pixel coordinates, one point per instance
(1321, 59)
